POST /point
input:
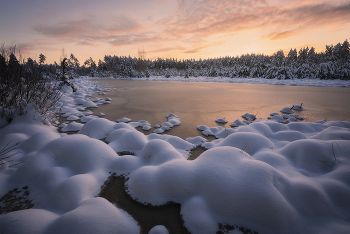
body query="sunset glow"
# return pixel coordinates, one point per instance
(169, 28)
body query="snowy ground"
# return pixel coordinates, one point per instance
(294, 82)
(270, 176)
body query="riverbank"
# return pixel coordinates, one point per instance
(290, 82)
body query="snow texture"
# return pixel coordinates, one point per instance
(264, 175)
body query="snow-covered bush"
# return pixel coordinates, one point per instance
(24, 83)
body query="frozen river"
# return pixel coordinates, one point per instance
(201, 103)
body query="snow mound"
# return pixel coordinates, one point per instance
(249, 117)
(86, 119)
(298, 107)
(221, 120)
(72, 127)
(73, 117)
(98, 128)
(202, 127)
(95, 215)
(173, 120)
(145, 125)
(89, 103)
(267, 176)
(127, 139)
(159, 229)
(198, 140)
(96, 99)
(124, 120)
(237, 123)
(210, 131)
(287, 110)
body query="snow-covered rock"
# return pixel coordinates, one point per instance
(287, 110)
(221, 120)
(124, 120)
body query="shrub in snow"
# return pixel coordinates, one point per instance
(25, 83)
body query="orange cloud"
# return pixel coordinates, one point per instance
(192, 26)
(205, 18)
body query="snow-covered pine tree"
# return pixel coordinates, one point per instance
(42, 59)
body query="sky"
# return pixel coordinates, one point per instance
(181, 29)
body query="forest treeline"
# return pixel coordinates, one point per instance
(333, 63)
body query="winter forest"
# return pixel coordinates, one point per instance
(333, 63)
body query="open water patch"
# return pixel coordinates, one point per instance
(147, 216)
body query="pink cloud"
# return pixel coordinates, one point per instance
(205, 18)
(195, 21)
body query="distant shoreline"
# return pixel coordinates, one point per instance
(291, 82)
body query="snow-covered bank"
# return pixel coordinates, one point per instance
(267, 176)
(293, 82)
